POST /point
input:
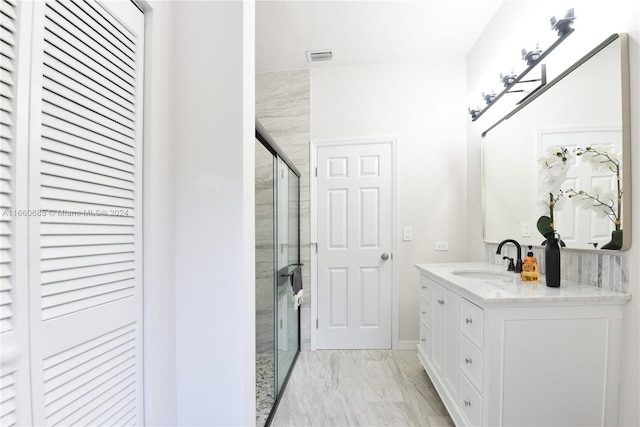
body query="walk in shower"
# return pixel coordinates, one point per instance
(277, 200)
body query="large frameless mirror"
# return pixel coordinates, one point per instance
(567, 149)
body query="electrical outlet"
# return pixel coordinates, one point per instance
(407, 234)
(441, 246)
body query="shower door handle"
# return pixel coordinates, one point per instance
(384, 256)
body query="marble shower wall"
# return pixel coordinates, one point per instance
(608, 270)
(265, 317)
(283, 108)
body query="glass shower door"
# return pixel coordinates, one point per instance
(288, 260)
(277, 211)
(265, 193)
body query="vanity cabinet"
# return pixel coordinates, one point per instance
(444, 335)
(518, 354)
(424, 344)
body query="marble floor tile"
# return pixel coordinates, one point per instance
(360, 388)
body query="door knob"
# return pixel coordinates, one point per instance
(384, 256)
(8, 355)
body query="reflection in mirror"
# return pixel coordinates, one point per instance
(585, 108)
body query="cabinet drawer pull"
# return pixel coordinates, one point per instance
(422, 339)
(424, 287)
(469, 320)
(424, 312)
(467, 360)
(467, 403)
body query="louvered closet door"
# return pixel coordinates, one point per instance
(15, 394)
(85, 250)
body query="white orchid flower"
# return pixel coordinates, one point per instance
(552, 184)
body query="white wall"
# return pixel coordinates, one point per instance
(199, 340)
(513, 27)
(213, 104)
(421, 105)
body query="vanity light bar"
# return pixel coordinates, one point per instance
(565, 28)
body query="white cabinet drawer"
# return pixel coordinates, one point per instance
(425, 287)
(425, 311)
(471, 319)
(471, 362)
(425, 339)
(470, 402)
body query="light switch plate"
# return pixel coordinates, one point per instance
(407, 234)
(441, 246)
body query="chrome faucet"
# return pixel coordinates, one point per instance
(518, 268)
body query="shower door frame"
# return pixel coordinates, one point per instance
(270, 144)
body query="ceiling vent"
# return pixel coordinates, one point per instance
(320, 55)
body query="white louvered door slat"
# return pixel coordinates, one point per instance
(119, 67)
(7, 149)
(15, 399)
(62, 53)
(64, 156)
(102, 94)
(85, 179)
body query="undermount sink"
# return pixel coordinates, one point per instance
(484, 274)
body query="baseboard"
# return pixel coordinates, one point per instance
(407, 345)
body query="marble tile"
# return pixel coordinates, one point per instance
(624, 274)
(372, 381)
(570, 265)
(360, 388)
(280, 84)
(607, 270)
(511, 289)
(283, 108)
(440, 421)
(305, 325)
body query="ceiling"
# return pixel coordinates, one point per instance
(364, 32)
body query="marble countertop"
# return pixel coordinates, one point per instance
(513, 289)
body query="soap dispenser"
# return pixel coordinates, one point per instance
(530, 271)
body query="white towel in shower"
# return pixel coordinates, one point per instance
(296, 286)
(297, 299)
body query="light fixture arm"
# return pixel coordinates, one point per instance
(533, 59)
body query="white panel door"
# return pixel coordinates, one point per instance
(355, 214)
(85, 246)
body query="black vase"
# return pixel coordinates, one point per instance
(552, 261)
(616, 241)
